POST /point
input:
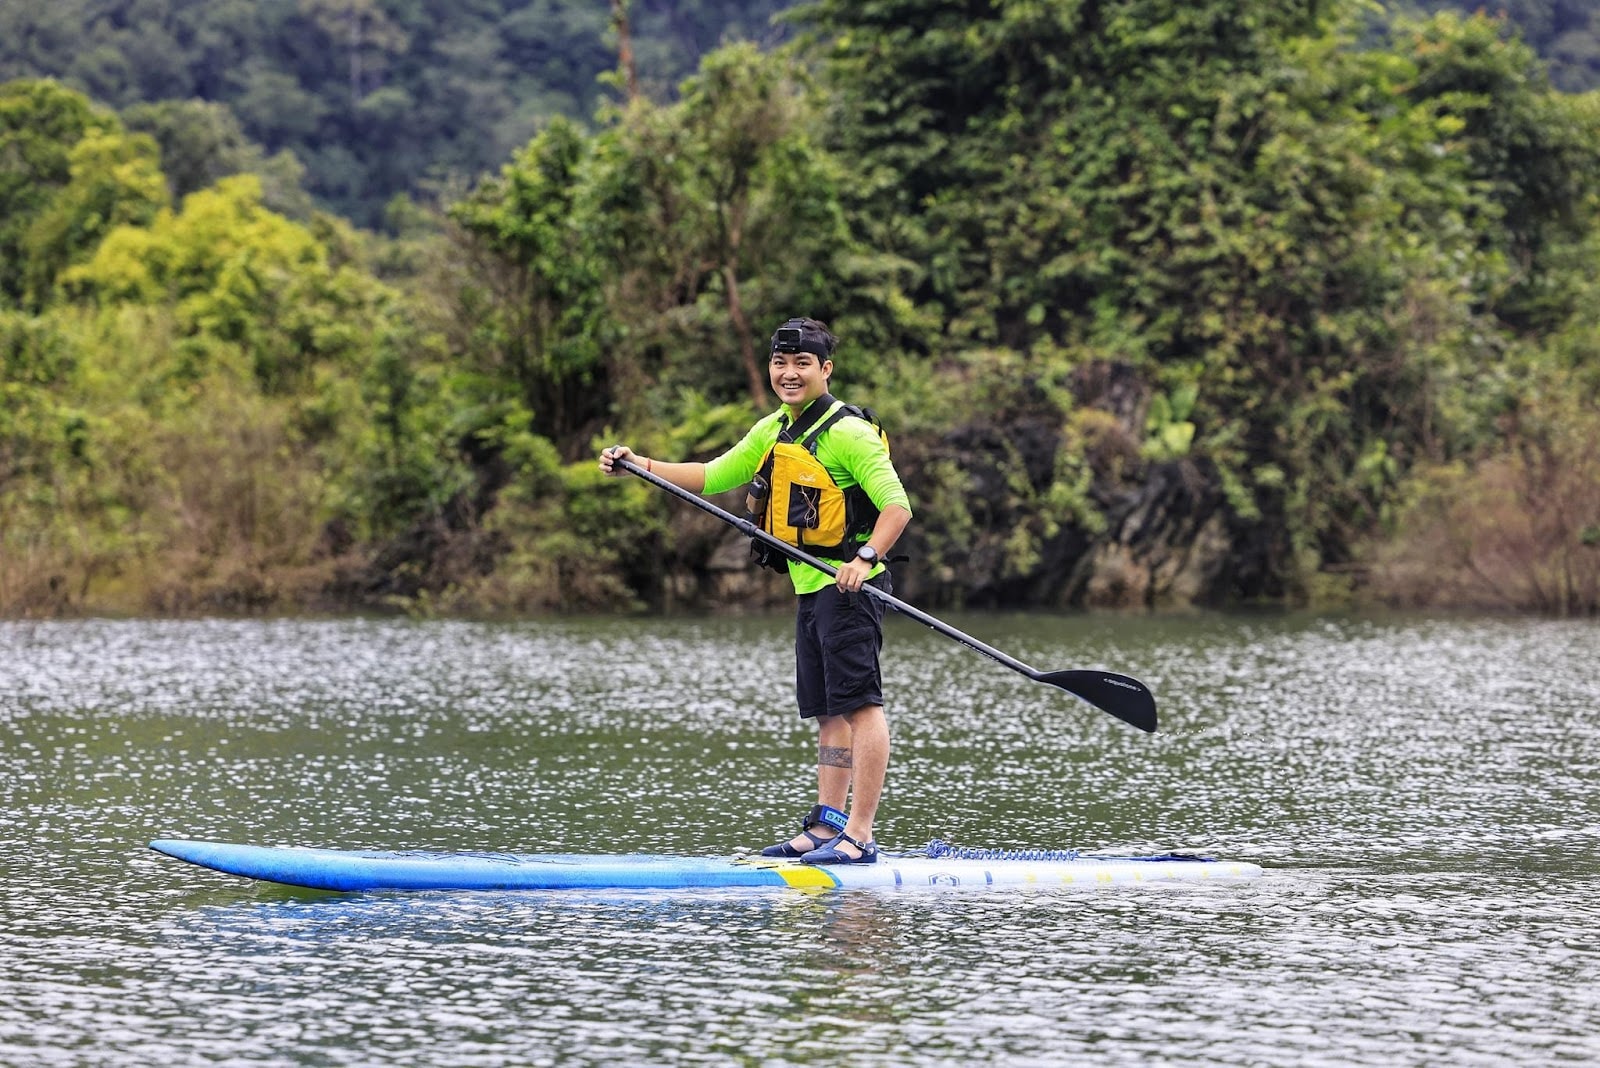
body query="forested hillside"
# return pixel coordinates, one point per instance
(373, 98)
(366, 100)
(1163, 304)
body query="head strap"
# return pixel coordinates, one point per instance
(803, 335)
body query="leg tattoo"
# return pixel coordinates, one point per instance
(834, 756)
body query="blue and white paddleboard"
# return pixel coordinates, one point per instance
(359, 870)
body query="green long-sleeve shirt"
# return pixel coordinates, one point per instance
(851, 450)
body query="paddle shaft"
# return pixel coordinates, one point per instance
(1138, 708)
(746, 527)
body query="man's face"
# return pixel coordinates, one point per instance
(799, 377)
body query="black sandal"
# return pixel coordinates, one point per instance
(830, 819)
(832, 854)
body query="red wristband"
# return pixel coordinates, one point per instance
(647, 465)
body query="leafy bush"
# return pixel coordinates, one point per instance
(1519, 530)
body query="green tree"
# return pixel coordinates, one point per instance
(115, 180)
(368, 37)
(203, 142)
(529, 292)
(1565, 33)
(722, 215)
(40, 122)
(1531, 149)
(238, 276)
(658, 252)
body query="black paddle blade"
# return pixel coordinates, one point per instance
(1127, 699)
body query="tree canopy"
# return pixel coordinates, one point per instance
(1163, 303)
(378, 98)
(374, 98)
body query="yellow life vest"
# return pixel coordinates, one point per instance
(804, 507)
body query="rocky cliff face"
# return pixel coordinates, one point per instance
(1167, 545)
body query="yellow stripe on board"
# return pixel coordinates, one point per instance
(807, 876)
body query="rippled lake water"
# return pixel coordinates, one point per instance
(1422, 793)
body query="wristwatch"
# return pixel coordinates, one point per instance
(867, 553)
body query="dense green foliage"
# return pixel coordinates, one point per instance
(375, 99)
(1566, 33)
(1163, 302)
(1319, 256)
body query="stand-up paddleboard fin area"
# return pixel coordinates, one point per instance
(355, 870)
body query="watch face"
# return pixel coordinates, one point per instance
(868, 553)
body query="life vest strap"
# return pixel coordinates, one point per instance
(808, 419)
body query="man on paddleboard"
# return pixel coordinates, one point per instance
(821, 479)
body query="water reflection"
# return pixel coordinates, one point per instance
(1421, 789)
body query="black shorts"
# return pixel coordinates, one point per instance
(837, 639)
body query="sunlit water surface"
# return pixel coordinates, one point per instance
(1422, 793)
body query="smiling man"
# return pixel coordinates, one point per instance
(821, 479)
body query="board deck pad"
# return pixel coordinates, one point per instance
(356, 870)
